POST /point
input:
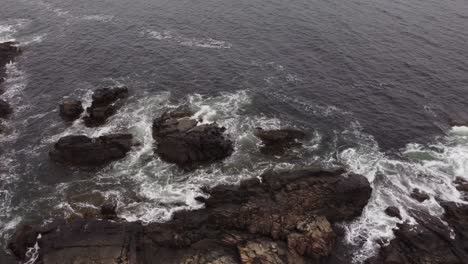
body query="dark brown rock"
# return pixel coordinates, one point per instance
(181, 140)
(285, 218)
(71, 110)
(458, 123)
(105, 103)
(393, 211)
(91, 152)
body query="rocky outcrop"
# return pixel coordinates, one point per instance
(5, 109)
(430, 240)
(8, 51)
(183, 141)
(458, 123)
(287, 217)
(90, 152)
(393, 211)
(105, 103)
(71, 110)
(419, 196)
(276, 141)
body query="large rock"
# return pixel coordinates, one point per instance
(71, 110)
(276, 141)
(183, 141)
(285, 218)
(89, 152)
(5, 109)
(105, 103)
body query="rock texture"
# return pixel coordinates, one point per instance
(105, 103)
(276, 141)
(183, 141)
(285, 218)
(90, 152)
(71, 110)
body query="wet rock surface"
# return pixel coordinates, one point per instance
(393, 211)
(105, 103)
(429, 240)
(70, 110)
(183, 141)
(277, 141)
(285, 218)
(83, 151)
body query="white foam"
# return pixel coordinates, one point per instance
(432, 169)
(167, 35)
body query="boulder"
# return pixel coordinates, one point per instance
(185, 142)
(5, 109)
(419, 196)
(83, 151)
(105, 103)
(71, 110)
(276, 141)
(393, 211)
(286, 217)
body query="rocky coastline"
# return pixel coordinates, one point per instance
(290, 216)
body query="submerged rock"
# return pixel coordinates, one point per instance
(276, 141)
(90, 152)
(285, 218)
(5, 109)
(185, 142)
(105, 103)
(71, 110)
(419, 196)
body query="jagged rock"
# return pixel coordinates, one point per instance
(429, 241)
(90, 152)
(276, 141)
(181, 140)
(71, 110)
(105, 103)
(285, 218)
(5, 109)
(419, 196)
(393, 211)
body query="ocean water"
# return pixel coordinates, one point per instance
(374, 83)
